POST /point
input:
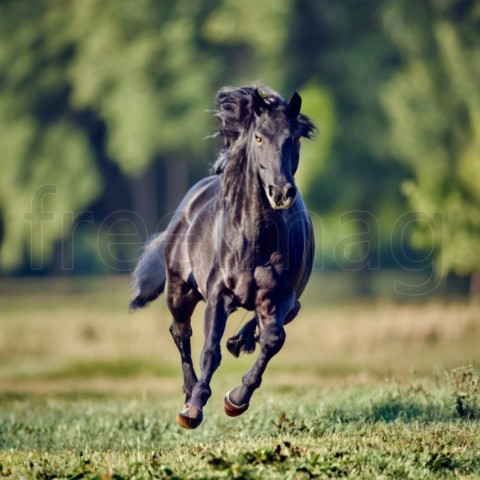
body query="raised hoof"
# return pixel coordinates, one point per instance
(190, 417)
(231, 409)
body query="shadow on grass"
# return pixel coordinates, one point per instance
(395, 408)
(406, 407)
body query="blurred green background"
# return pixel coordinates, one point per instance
(105, 108)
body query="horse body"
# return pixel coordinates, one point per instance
(240, 238)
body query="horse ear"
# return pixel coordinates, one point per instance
(258, 99)
(295, 105)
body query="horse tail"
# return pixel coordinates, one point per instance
(150, 275)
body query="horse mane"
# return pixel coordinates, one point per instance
(237, 108)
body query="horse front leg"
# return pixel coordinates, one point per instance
(216, 313)
(272, 338)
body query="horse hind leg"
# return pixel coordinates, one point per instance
(244, 341)
(181, 303)
(181, 333)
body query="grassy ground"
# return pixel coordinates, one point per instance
(362, 389)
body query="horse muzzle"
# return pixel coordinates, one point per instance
(281, 198)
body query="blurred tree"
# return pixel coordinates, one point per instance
(433, 104)
(340, 47)
(47, 168)
(103, 118)
(142, 69)
(318, 104)
(140, 66)
(68, 70)
(95, 96)
(249, 38)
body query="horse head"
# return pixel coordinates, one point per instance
(258, 121)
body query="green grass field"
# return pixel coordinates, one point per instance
(362, 389)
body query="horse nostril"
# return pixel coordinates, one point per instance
(290, 191)
(275, 195)
(282, 197)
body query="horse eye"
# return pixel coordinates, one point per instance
(258, 139)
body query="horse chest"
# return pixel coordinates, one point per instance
(242, 287)
(261, 284)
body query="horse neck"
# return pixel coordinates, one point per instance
(245, 202)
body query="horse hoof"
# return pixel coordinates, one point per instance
(231, 409)
(190, 417)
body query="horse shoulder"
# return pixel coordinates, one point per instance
(187, 229)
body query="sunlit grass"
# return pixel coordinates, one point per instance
(361, 389)
(389, 430)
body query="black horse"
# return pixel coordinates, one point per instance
(241, 237)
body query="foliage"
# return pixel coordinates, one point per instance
(318, 104)
(100, 103)
(145, 71)
(46, 163)
(140, 66)
(433, 103)
(250, 38)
